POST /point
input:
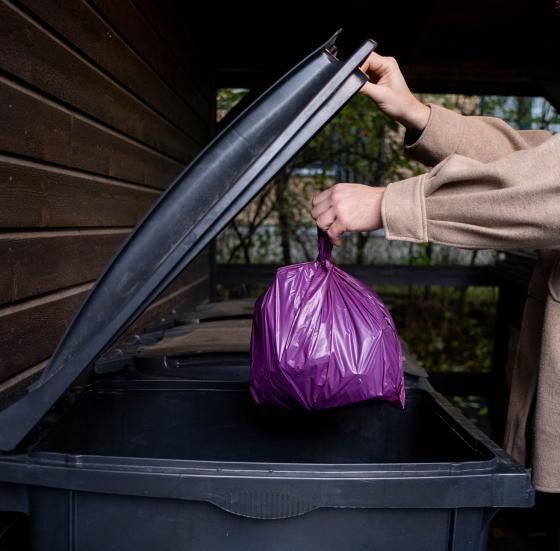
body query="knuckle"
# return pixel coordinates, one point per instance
(323, 223)
(337, 191)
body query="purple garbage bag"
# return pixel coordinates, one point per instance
(321, 338)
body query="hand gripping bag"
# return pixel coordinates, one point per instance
(321, 339)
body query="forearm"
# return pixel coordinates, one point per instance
(506, 203)
(484, 139)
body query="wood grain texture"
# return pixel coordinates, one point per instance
(184, 298)
(190, 289)
(12, 389)
(56, 69)
(79, 24)
(34, 126)
(139, 29)
(30, 330)
(39, 262)
(33, 194)
(99, 114)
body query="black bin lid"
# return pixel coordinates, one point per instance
(207, 195)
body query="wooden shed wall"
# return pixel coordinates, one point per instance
(102, 105)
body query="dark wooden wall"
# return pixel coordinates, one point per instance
(102, 104)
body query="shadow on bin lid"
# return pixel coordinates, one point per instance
(222, 179)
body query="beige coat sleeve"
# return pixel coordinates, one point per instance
(491, 186)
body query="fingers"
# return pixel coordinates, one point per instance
(320, 208)
(321, 197)
(324, 213)
(325, 220)
(373, 63)
(348, 207)
(335, 232)
(377, 93)
(378, 64)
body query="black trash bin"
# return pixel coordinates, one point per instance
(136, 462)
(141, 463)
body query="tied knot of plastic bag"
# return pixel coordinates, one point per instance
(321, 338)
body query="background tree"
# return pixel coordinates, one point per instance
(448, 328)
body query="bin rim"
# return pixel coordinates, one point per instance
(494, 481)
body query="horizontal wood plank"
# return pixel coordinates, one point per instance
(100, 112)
(181, 35)
(29, 331)
(33, 126)
(187, 297)
(77, 22)
(138, 31)
(40, 262)
(13, 388)
(42, 196)
(58, 70)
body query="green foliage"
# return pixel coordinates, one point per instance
(523, 113)
(226, 99)
(420, 255)
(448, 329)
(359, 145)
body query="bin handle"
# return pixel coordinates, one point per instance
(262, 504)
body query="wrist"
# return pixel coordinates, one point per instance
(376, 221)
(417, 117)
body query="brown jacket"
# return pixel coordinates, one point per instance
(495, 187)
